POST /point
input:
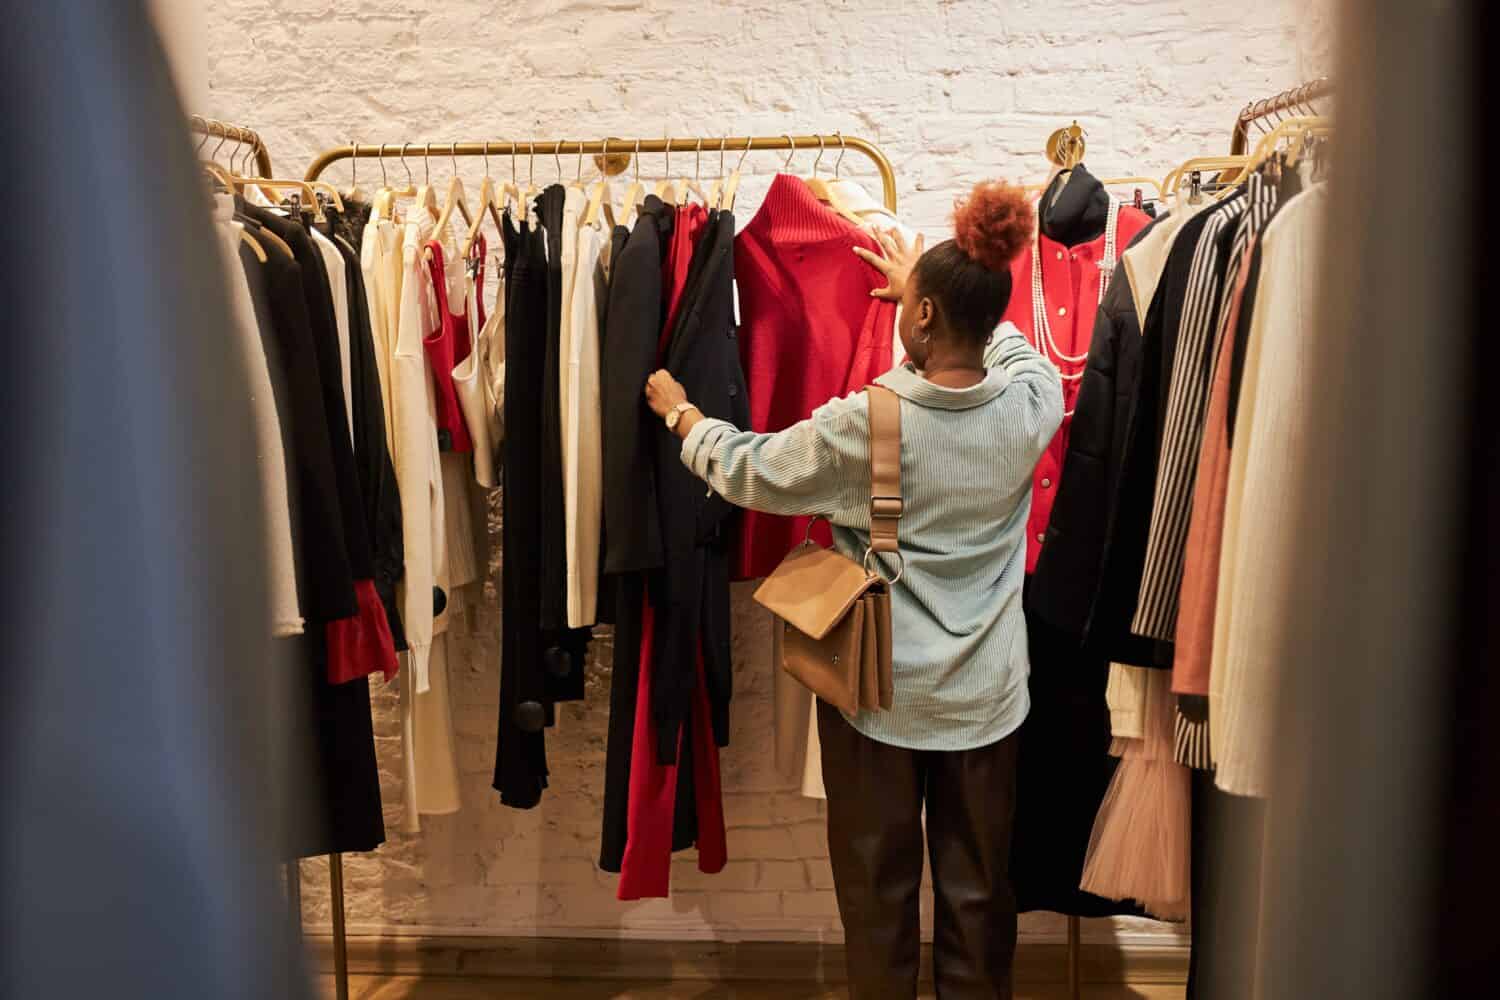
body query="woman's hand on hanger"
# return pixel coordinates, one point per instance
(900, 257)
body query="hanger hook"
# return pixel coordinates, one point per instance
(722, 143)
(406, 166)
(380, 158)
(748, 143)
(636, 160)
(791, 145)
(580, 161)
(202, 130)
(557, 158)
(698, 161)
(531, 164)
(819, 158)
(223, 134)
(234, 153)
(427, 164)
(666, 155)
(453, 156)
(838, 165)
(485, 152)
(353, 164)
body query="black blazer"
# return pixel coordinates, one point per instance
(325, 582)
(691, 594)
(325, 337)
(632, 525)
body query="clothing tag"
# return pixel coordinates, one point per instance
(736, 283)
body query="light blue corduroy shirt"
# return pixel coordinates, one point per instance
(967, 456)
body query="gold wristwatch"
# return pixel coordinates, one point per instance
(674, 415)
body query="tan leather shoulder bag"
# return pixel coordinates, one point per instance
(834, 614)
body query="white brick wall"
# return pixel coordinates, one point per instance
(953, 90)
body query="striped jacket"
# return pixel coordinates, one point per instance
(1218, 252)
(967, 457)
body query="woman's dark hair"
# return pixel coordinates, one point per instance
(968, 277)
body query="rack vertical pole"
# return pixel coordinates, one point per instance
(294, 897)
(340, 936)
(1075, 988)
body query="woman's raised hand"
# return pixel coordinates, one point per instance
(896, 264)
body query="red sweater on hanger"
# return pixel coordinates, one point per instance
(809, 332)
(1070, 292)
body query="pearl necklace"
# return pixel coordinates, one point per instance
(1039, 304)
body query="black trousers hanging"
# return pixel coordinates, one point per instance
(876, 794)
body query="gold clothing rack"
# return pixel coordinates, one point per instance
(1295, 101)
(619, 151)
(238, 134)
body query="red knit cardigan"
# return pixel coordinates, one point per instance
(809, 332)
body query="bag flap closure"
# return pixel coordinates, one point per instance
(813, 589)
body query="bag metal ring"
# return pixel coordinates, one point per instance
(900, 571)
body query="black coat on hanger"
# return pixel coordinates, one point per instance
(691, 594)
(339, 808)
(632, 526)
(372, 455)
(521, 752)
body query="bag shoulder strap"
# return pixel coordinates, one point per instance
(886, 504)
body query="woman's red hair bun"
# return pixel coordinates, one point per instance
(993, 223)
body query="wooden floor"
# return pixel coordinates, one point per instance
(444, 988)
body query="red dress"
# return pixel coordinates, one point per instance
(809, 332)
(446, 347)
(1072, 286)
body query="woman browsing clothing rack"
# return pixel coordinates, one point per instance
(948, 743)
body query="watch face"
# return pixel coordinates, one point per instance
(672, 418)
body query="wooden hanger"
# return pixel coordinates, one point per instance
(577, 181)
(665, 190)
(488, 203)
(636, 192)
(1116, 181)
(828, 193)
(354, 191)
(1174, 179)
(528, 195)
(270, 239)
(218, 173)
(426, 196)
(386, 198)
(255, 247)
(691, 185)
(456, 198)
(732, 185)
(718, 185)
(307, 196)
(599, 197)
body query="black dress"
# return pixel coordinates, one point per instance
(521, 753)
(340, 809)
